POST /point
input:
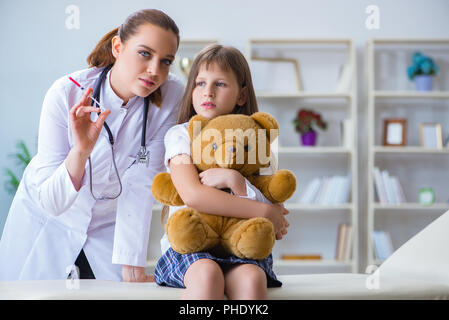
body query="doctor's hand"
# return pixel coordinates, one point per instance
(135, 274)
(85, 131)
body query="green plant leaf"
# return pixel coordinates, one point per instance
(22, 159)
(12, 184)
(22, 146)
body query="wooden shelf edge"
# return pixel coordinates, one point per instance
(298, 94)
(410, 149)
(411, 94)
(314, 150)
(301, 206)
(410, 206)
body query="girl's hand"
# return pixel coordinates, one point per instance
(283, 231)
(135, 274)
(221, 178)
(86, 132)
(276, 214)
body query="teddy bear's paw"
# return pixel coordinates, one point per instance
(164, 190)
(254, 239)
(187, 232)
(282, 185)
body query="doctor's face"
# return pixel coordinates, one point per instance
(143, 62)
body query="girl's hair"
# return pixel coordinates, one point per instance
(101, 56)
(227, 58)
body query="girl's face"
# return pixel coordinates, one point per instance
(143, 62)
(216, 91)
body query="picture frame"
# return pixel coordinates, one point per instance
(269, 68)
(395, 132)
(430, 135)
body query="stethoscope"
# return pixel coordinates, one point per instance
(142, 155)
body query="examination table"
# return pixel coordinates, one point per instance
(417, 270)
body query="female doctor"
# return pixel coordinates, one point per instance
(85, 198)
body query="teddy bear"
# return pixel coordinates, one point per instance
(234, 141)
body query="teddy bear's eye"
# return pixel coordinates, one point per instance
(214, 146)
(247, 148)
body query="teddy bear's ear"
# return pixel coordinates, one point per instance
(203, 121)
(268, 122)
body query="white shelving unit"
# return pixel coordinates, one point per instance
(313, 227)
(389, 95)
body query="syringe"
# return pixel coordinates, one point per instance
(102, 109)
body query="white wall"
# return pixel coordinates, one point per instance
(37, 48)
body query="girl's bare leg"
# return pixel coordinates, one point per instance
(204, 280)
(245, 282)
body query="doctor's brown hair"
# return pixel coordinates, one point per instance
(227, 58)
(101, 56)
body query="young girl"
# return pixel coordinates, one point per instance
(219, 83)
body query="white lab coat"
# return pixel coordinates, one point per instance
(49, 222)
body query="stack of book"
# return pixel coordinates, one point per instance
(344, 242)
(383, 247)
(301, 257)
(327, 190)
(388, 188)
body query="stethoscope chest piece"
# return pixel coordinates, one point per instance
(143, 156)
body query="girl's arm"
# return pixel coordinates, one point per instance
(211, 200)
(222, 178)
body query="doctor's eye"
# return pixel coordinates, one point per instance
(144, 54)
(214, 146)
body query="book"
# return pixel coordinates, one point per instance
(311, 191)
(343, 250)
(348, 243)
(344, 80)
(301, 257)
(383, 246)
(388, 187)
(327, 190)
(321, 194)
(398, 190)
(339, 247)
(380, 188)
(387, 184)
(329, 197)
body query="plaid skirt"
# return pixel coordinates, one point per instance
(172, 266)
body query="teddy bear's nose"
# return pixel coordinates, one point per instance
(232, 149)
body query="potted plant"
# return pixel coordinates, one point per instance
(22, 158)
(305, 122)
(422, 70)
